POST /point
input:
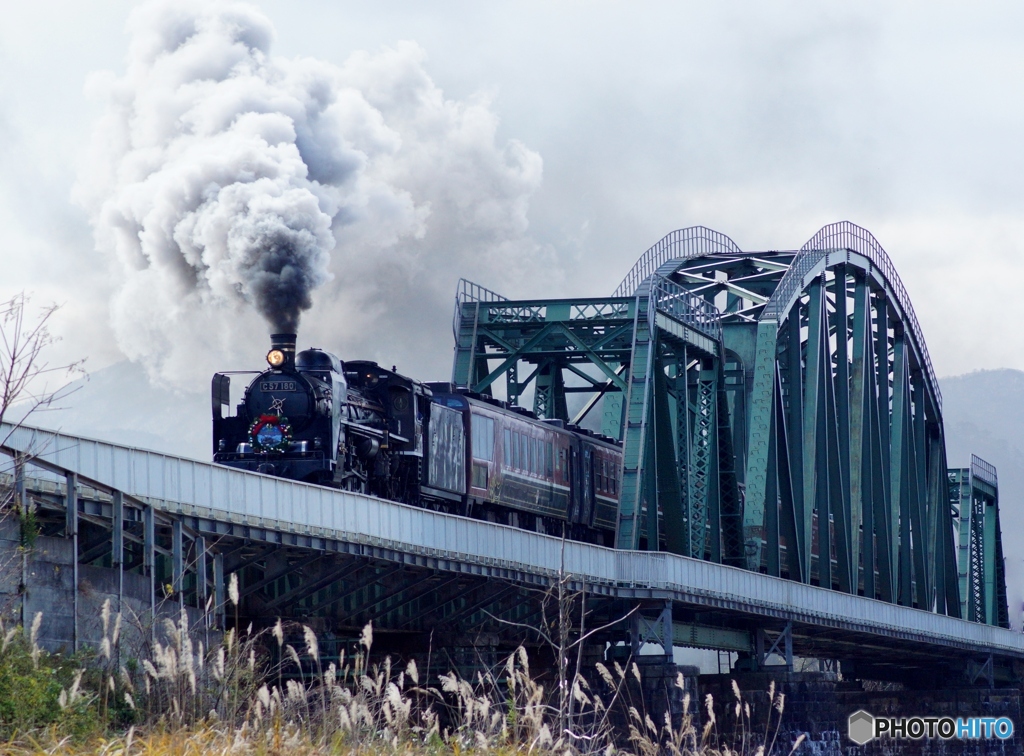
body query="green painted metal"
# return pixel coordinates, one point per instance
(611, 415)
(839, 461)
(622, 351)
(727, 466)
(549, 395)
(797, 562)
(974, 498)
(692, 635)
(842, 463)
(701, 493)
(668, 493)
(860, 439)
(682, 421)
(989, 563)
(777, 410)
(920, 505)
(635, 447)
(813, 432)
(794, 448)
(946, 587)
(899, 509)
(550, 338)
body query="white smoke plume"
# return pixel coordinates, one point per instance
(225, 181)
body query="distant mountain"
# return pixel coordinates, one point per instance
(983, 413)
(119, 404)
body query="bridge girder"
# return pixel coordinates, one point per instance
(800, 434)
(260, 528)
(974, 500)
(838, 430)
(655, 361)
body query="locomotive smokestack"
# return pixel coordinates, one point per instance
(282, 351)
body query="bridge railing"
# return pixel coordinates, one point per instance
(847, 235)
(982, 469)
(686, 307)
(223, 498)
(467, 291)
(681, 244)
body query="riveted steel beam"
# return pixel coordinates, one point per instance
(841, 465)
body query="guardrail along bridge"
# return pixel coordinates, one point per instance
(784, 485)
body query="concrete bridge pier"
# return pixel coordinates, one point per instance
(819, 701)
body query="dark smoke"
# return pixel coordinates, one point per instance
(280, 266)
(203, 185)
(221, 177)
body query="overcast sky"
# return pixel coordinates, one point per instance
(763, 121)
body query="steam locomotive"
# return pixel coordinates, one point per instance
(360, 427)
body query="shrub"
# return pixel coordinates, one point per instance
(39, 690)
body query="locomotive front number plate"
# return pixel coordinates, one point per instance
(277, 386)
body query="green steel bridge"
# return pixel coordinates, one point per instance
(778, 411)
(785, 489)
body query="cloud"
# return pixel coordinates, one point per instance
(225, 181)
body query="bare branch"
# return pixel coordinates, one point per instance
(606, 626)
(25, 376)
(523, 625)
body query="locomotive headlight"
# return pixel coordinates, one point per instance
(275, 357)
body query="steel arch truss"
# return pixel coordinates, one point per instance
(845, 471)
(835, 415)
(974, 498)
(657, 357)
(778, 410)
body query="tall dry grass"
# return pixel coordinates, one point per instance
(236, 698)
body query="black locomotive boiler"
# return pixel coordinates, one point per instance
(360, 427)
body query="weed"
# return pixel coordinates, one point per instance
(190, 699)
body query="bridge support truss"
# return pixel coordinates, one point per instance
(974, 498)
(338, 559)
(654, 361)
(836, 417)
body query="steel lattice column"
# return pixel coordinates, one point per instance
(974, 497)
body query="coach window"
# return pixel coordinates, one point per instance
(548, 457)
(508, 448)
(524, 453)
(483, 437)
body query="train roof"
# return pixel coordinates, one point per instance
(440, 390)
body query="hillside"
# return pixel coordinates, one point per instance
(119, 404)
(984, 415)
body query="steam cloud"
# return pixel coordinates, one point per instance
(222, 177)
